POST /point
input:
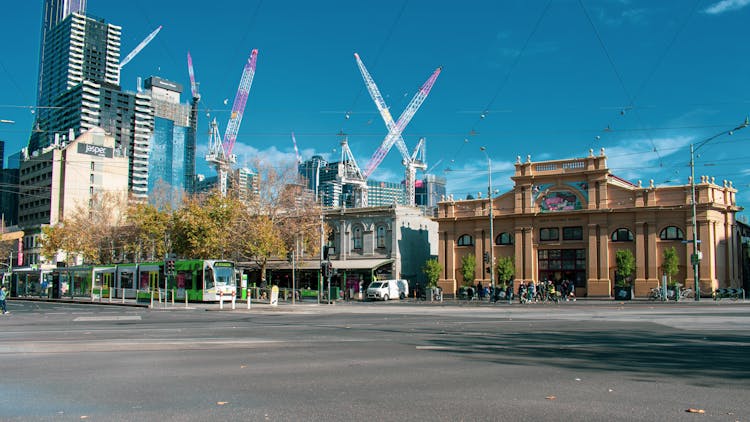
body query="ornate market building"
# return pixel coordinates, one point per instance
(565, 219)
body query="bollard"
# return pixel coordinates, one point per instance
(123, 295)
(152, 299)
(249, 301)
(233, 300)
(221, 300)
(173, 297)
(186, 299)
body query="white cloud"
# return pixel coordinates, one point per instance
(472, 178)
(635, 159)
(726, 6)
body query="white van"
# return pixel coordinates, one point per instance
(388, 289)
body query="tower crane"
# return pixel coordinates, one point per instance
(220, 151)
(191, 73)
(412, 161)
(139, 47)
(296, 151)
(196, 97)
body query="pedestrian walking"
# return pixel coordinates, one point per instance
(3, 294)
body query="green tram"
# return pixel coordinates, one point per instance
(198, 280)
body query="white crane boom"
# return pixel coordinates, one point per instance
(139, 47)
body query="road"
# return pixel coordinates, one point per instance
(377, 361)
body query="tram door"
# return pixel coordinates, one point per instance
(124, 283)
(102, 283)
(150, 278)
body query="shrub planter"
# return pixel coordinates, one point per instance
(623, 292)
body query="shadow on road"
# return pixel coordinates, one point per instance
(688, 355)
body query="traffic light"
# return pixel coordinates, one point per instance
(486, 257)
(326, 268)
(170, 266)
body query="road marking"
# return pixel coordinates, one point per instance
(109, 318)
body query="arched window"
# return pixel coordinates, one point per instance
(504, 238)
(671, 233)
(465, 240)
(622, 235)
(381, 236)
(357, 238)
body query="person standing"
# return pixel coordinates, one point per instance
(3, 294)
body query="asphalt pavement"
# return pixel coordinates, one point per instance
(582, 361)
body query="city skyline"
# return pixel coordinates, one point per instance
(547, 79)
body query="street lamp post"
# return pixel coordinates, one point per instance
(492, 232)
(696, 256)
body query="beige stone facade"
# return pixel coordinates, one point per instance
(57, 180)
(566, 219)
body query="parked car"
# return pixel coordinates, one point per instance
(388, 289)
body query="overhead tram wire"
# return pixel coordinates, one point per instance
(659, 61)
(630, 98)
(473, 132)
(376, 58)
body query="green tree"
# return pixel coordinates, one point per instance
(625, 262)
(260, 241)
(432, 270)
(670, 264)
(506, 269)
(95, 231)
(468, 267)
(152, 231)
(205, 227)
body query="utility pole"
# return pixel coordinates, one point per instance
(696, 256)
(492, 220)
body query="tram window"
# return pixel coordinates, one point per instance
(199, 280)
(209, 277)
(126, 280)
(184, 280)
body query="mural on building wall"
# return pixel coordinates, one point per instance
(559, 200)
(541, 189)
(582, 188)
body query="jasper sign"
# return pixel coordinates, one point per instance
(97, 150)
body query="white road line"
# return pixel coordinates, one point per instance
(109, 318)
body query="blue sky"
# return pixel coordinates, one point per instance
(641, 79)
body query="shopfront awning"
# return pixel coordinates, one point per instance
(360, 264)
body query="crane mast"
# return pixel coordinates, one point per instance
(139, 47)
(220, 151)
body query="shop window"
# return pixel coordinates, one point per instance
(465, 240)
(622, 235)
(549, 233)
(573, 233)
(504, 238)
(671, 233)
